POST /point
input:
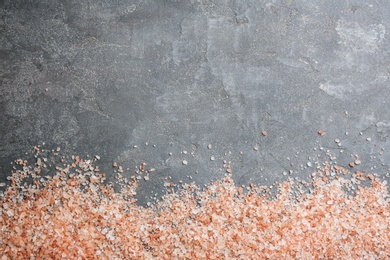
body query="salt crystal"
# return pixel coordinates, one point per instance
(185, 162)
(10, 213)
(357, 161)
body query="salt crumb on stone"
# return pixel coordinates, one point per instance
(321, 132)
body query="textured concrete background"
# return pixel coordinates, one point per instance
(133, 81)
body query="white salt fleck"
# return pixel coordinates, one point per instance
(10, 213)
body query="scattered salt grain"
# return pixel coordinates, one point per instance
(357, 162)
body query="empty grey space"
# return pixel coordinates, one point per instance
(156, 82)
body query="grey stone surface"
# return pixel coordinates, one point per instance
(134, 81)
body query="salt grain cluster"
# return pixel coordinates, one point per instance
(73, 215)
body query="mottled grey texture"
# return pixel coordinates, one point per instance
(98, 77)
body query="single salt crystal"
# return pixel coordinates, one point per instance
(104, 231)
(308, 164)
(185, 162)
(212, 158)
(2, 184)
(184, 152)
(110, 235)
(10, 213)
(97, 157)
(357, 161)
